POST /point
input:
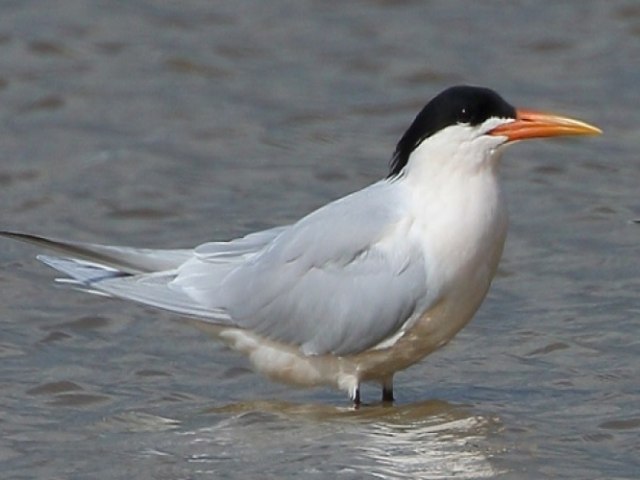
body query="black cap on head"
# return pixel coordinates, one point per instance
(456, 105)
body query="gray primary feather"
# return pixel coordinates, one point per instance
(149, 288)
(125, 259)
(328, 283)
(237, 249)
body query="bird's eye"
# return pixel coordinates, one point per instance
(464, 116)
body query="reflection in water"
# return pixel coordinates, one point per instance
(434, 448)
(432, 439)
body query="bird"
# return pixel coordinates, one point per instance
(362, 287)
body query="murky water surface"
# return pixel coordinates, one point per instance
(172, 123)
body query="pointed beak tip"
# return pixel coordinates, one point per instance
(595, 131)
(570, 126)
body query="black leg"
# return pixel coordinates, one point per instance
(356, 398)
(387, 394)
(387, 390)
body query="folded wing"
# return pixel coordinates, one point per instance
(341, 280)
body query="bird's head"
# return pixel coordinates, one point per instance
(469, 124)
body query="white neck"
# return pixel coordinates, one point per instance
(458, 205)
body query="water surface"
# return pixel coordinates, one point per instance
(168, 124)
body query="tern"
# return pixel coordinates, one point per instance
(362, 287)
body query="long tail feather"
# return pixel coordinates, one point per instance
(140, 275)
(125, 259)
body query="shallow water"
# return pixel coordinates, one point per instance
(171, 123)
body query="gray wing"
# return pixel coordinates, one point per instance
(340, 280)
(238, 249)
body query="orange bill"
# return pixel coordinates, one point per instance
(531, 124)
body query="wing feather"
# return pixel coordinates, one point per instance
(337, 281)
(341, 280)
(125, 259)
